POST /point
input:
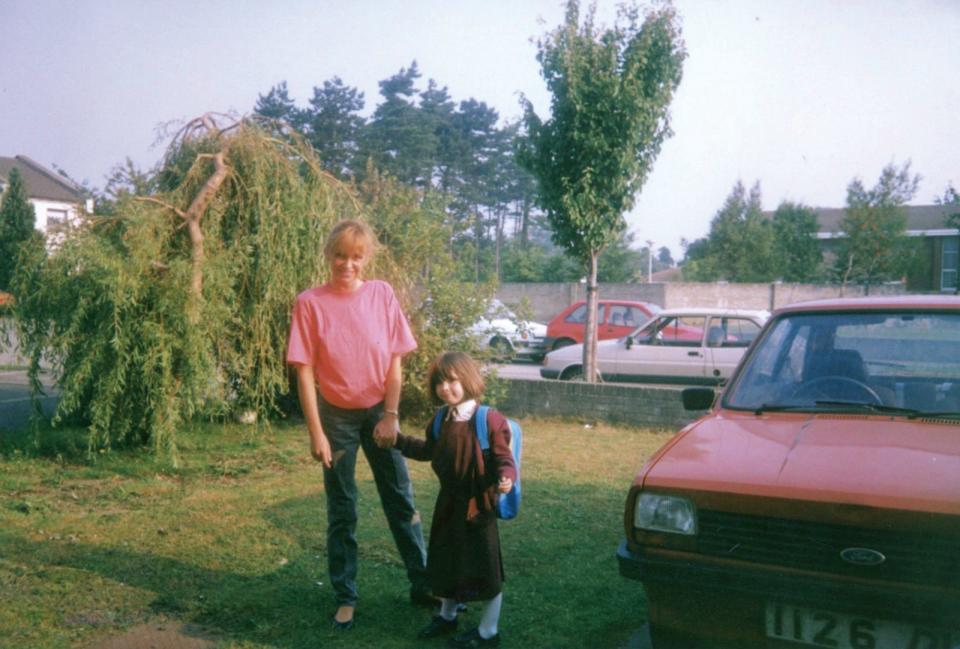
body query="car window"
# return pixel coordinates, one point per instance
(579, 315)
(674, 331)
(731, 332)
(619, 316)
(906, 360)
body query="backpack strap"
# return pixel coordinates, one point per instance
(438, 421)
(481, 425)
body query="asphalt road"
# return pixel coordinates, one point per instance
(519, 370)
(15, 400)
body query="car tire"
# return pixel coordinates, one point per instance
(502, 350)
(573, 373)
(563, 342)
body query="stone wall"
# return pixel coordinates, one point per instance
(547, 300)
(632, 405)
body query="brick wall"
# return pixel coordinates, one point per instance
(634, 405)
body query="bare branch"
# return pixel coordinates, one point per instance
(151, 199)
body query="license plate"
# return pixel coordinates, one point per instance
(841, 631)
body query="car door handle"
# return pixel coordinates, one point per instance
(693, 353)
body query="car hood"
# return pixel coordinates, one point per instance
(871, 461)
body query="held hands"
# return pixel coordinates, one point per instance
(385, 432)
(505, 485)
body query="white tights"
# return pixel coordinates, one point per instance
(488, 621)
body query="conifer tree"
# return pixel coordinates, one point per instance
(17, 226)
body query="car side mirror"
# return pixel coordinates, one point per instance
(698, 398)
(629, 342)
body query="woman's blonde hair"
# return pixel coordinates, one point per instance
(350, 235)
(457, 366)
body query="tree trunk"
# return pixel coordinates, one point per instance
(590, 333)
(192, 216)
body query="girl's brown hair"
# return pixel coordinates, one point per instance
(350, 235)
(456, 366)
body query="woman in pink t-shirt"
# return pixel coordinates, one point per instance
(347, 339)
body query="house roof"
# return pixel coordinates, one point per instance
(920, 219)
(41, 182)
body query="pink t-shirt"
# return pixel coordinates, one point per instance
(349, 339)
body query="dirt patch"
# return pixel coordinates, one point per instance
(160, 635)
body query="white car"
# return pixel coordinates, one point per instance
(677, 346)
(509, 337)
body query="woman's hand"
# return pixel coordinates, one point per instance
(385, 432)
(505, 485)
(320, 449)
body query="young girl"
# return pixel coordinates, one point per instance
(463, 558)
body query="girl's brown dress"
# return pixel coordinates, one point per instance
(463, 559)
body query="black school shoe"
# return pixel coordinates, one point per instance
(438, 626)
(472, 638)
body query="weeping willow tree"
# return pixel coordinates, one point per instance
(178, 304)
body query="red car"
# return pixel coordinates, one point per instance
(615, 319)
(817, 504)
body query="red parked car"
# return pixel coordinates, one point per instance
(615, 319)
(817, 504)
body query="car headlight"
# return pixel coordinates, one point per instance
(661, 513)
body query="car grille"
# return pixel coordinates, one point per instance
(910, 556)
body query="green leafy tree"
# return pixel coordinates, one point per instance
(620, 262)
(17, 226)
(797, 252)
(740, 245)
(277, 105)
(179, 303)
(398, 138)
(610, 96)
(951, 199)
(664, 259)
(125, 180)
(333, 125)
(875, 247)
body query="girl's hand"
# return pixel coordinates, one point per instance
(505, 485)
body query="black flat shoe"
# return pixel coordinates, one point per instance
(472, 638)
(438, 626)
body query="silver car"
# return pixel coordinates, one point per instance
(676, 346)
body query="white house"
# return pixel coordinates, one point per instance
(57, 200)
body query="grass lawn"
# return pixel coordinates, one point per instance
(233, 540)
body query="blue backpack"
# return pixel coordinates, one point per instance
(508, 506)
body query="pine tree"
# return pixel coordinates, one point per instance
(17, 223)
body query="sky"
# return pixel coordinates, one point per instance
(800, 96)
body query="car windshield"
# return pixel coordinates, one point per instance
(497, 309)
(875, 361)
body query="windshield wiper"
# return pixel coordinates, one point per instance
(840, 405)
(782, 407)
(909, 413)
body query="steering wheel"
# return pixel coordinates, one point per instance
(815, 387)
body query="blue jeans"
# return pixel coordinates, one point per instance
(347, 430)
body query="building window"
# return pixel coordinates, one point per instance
(56, 219)
(949, 266)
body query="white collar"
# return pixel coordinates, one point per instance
(464, 411)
